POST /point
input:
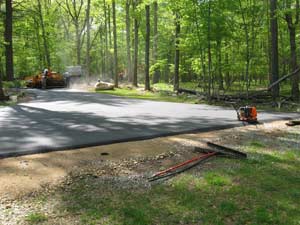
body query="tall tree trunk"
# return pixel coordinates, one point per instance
(247, 58)
(8, 40)
(136, 47)
(38, 42)
(247, 42)
(78, 44)
(105, 55)
(156, 75)
(102, 53)
(111, 65)
(109, 25)
(293, 47)
(2, 96)
(177, 52)
(147, 49)
(115, 44)
(202, 82)
(274, 48)
(294, 66)
(210, 79)
(88, 39)
(219, 56)
(227, 75)
(45, 41)
(128, 41)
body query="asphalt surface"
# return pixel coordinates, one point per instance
(67, 119)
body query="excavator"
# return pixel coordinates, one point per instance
(46, 79)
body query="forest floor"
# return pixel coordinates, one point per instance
(108, 184)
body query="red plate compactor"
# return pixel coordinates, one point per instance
(247, 114)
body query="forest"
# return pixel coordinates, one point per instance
(216, 46)
(197, 121)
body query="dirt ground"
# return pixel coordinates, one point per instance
(23, 176)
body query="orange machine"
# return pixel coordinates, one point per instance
(46, 80)
(247, 114)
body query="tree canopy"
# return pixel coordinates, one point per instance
(223, 45)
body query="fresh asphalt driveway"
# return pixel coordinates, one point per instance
(67, 119)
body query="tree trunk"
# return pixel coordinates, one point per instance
(210, 80)
(47, 53)
(8, 40)
(128, 42)
(219, 56)
(147, 49)
(177, 52)
(227, 74)
(274, 48)
(2, 96)
(78, 43)
(293, 48)
(105, 55)
(109, 25)
(294, 66)
(111, 65)
(136, 47)
(115, 44)
(156, 75)
(38, 42)
(102, 52)
(88, 39)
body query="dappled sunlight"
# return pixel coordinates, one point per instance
(177, 139)
(62, 119)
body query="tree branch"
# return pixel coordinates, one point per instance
(284, 78)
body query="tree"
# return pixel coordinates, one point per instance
(147, 49)
(210, 79)
(177, 52)
(274, 48)
(45, 40)
(74, 10)
(2, 96)
(128, 41)
(156, 75)
(292, 24)
(106, 53)
(88, 38)
(219, 40)
(115, 44)
(8, 40)
(136, 44)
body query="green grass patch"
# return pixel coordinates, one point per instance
(264, 189)
(14, 84)
(7, 103)
(257, 145)
(214, 179)
(148, 95)
(36, 218)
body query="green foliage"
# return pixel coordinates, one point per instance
(234, 32)
(14, 84)
(36, 218)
